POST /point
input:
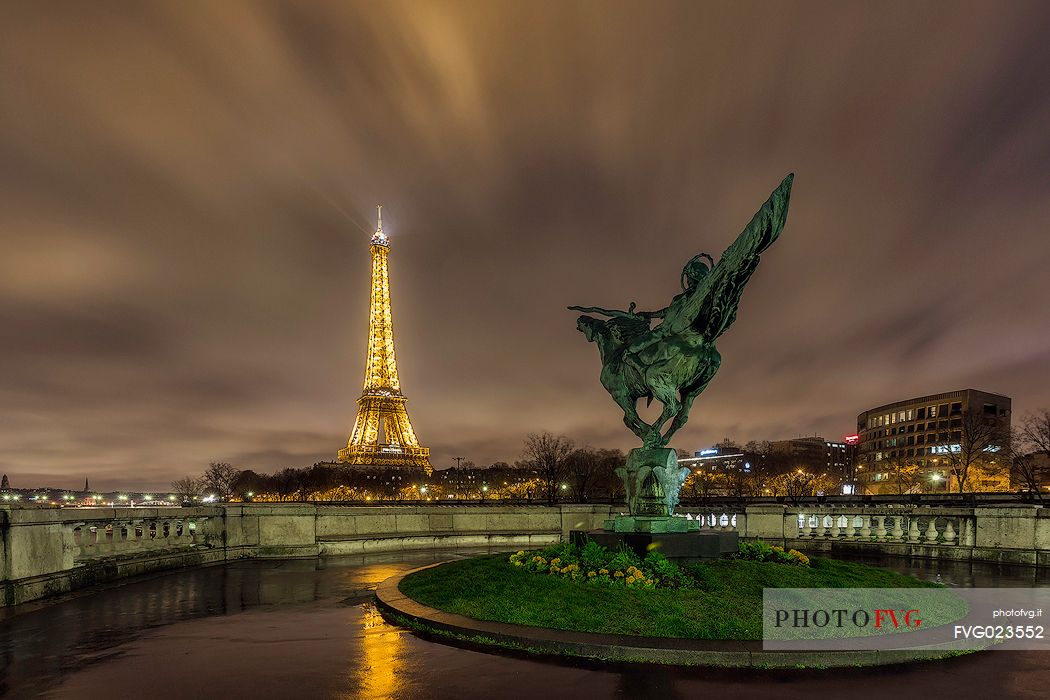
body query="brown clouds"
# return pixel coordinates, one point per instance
(186, 191)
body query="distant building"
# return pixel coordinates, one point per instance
(815, 454)
(916, 431)
(724, 457)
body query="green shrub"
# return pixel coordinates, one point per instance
(623, 559)
(665, 571)
(593, 556)
(762, 551)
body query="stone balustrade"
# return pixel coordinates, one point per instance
(109, 536)
(715, 519)
(935, 526)
(49, 551)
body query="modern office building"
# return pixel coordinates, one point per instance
(920, 431)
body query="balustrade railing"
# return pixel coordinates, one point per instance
(93, 538)
(714, 519)
(929, 526)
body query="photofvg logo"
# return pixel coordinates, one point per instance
(843, 618)
(904, 618)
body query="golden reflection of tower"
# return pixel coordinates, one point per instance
(382, 435)
(380, 657)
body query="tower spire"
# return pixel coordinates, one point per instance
(379, 238)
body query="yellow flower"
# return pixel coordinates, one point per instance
(603, 572)
(591, 574)
(630, 580)
(618, 574)
(555, 561)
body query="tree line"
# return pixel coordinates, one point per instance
(551, 468)
(555, 468)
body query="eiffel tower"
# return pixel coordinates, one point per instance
(382, 435)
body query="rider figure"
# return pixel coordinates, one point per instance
(692, 274)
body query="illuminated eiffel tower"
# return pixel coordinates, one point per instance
(382, 435)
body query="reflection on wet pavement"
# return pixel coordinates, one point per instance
(306, 628)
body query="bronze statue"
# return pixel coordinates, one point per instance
(674, 361)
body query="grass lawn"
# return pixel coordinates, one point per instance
(726, 604)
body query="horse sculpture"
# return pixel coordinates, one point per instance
(673, 362)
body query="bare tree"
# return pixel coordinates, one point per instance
(547, 454)
(187, 489)
(973, 447)
(904, 474)
(1030, 443)
(609, 482)
(1035, 430)
(219, 478)
(699, 483)
(800, 483)
(1025, 469)
(582, 468)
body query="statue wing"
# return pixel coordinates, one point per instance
(711, 309)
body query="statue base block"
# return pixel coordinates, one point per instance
(640, 523)
(679, 546)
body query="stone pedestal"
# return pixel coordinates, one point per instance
(652, 480)
(642, 523)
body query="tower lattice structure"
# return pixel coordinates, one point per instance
(382, 435)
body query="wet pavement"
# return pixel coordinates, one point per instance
(306, 629)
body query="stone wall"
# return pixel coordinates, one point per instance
(51, 551)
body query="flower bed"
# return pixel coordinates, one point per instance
(598, 565)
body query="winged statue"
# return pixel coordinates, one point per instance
(673, 361)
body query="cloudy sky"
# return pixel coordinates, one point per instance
(187, 190)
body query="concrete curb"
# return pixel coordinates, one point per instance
(399, 609)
